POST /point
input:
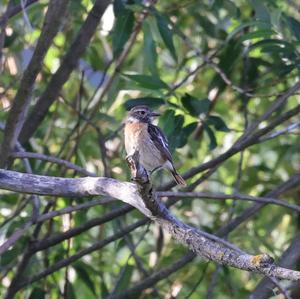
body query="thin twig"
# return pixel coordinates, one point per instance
(235, 196)
(67, 164)
(13, 10)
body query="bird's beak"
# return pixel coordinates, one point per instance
(154, 114)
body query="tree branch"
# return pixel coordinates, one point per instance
(96, 246)
(235, 196)
(150, 281)
(65, 163)
(3, 24)
(12, 11)
(142, 197)
(16, 118)
(242, 143)
(62, 74)
(289, 259)
(292, 182)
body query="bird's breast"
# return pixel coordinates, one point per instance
(134, 135)
(138, 139)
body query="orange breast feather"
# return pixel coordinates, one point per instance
(134, 133)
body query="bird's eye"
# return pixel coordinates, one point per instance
(142, 112)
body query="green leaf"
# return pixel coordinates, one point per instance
(228, 57)
(195, 106)
(178, 122)
(189, 129)
(125, 279)
(122, 29)
(93, 58)
(218, 123)
(261, 11)
(149, 50)
(149, 82)
(176, 139)
(232, 9)
(211, 136)
(85, 276)
(70, 291)
(285, 70)
(185, 133)
(167, 121)
(294, 26)
(172, 126)
(9, 39)
(37, 293)
(8, 257)
(149, 101)
(104, 289)
(208, 27)
(166, 33)
(238, 29)
(273, 41)
(265, 33)
(277, 50)
(276, 46)
(118, 7)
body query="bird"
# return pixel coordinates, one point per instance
(149, 141)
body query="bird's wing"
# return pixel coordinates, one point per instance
(160, 141)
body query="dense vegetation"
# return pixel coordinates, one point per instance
(225, 77)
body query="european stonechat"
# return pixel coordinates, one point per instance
(148, 141)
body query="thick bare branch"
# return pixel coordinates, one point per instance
(55, 186)
(141, 196)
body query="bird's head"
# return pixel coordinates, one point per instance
(141, 113)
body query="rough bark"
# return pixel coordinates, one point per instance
(141, 196)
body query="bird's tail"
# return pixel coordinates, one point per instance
(178, 178)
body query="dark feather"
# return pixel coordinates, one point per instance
(160, 141)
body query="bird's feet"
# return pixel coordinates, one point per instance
(138, 172)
